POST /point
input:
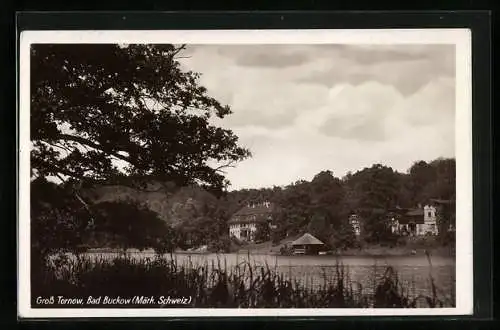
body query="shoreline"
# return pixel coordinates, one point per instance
(366, 253)
(370, 250)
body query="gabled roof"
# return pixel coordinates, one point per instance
(398, 210)
(246, 219)
(407, 220)
(412, 216)
(252, 213)
(307, 239)
(415, 213)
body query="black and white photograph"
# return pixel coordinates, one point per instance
(228, 173)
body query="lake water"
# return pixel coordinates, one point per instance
(414, 272)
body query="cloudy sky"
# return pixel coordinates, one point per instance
(302, 109)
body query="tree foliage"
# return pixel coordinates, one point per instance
(107, 113)
(319, 227)
(58, 219)
(102, 111)
(129, 225)
(322, 206)
(262, 232)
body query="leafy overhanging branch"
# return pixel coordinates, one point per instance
(97, 96)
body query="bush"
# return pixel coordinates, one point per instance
(224, 244)
(275, 238)
(448, 238)
(402, 241)
(286, 250)
(262, 232)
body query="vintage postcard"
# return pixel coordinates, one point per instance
(245, 173)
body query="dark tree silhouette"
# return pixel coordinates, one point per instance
(104, 111)
(122, 114)
(263, 232)
(59, 220)
(371, 193)
(319, 227)
(130, 225)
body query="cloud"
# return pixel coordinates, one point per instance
(331, 107)
(270, 60)
(267, 56)
(373, 54)
(374, 111)
(358, 112)
(406, 67)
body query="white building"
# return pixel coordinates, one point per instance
(356, 224)
(430, 221)
(243, 224)
(416, 222)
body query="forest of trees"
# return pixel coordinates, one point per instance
(322, 206)
(127, 115)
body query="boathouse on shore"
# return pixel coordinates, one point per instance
(307, 244)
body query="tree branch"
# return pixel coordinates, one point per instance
(77, 195)
(87, 142)
(58, 146)
(178, 50)
(221, 167)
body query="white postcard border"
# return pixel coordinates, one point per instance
(461, 38)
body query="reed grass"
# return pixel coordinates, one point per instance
(244, 285)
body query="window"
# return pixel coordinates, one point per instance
(429, 214)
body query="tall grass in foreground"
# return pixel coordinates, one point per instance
(214, 284)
